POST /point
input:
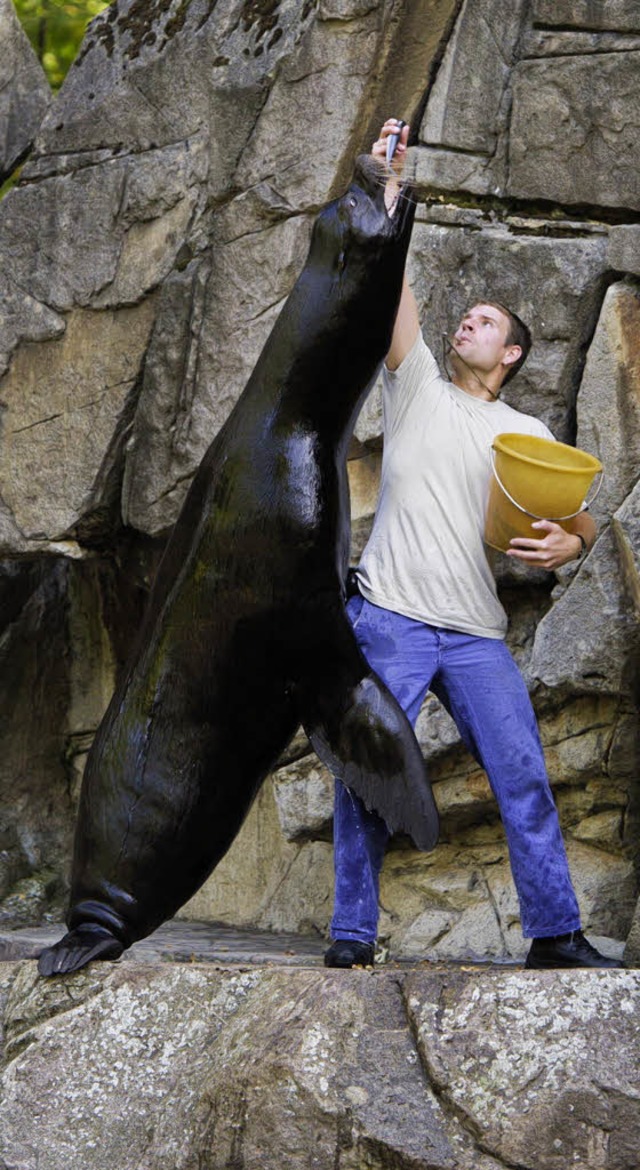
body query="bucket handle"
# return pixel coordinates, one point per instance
(583, 507)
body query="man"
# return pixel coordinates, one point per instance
(427, 615)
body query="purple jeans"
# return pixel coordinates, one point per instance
(481, 686)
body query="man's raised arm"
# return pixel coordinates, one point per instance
(406, 328)
(407, 324)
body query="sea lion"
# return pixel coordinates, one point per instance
(246, 634)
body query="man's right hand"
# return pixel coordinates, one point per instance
(379, 148)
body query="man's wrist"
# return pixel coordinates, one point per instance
(391, 192)
(584, 548)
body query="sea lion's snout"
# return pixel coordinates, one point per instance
(371, 175)
(363, 210)
(370, 180)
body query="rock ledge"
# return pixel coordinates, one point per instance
(191, 1065)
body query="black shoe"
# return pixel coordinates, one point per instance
(567, 950)
(346, 952)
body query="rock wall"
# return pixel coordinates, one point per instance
(156, 228)
(24, 91)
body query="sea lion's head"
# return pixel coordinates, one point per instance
(357, 234)
(365, 199)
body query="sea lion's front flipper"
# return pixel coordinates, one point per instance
(363, 736)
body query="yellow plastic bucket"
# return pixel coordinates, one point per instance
(535, 479)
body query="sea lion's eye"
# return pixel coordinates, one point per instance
(353, 202)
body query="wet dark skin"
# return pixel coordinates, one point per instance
(246, 635)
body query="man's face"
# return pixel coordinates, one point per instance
(481, 337)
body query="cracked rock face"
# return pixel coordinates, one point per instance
(24, 91)
(509, 1055)
(575, 130)
(158, 224)
(191, 1066)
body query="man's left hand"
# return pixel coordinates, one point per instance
(555, 548)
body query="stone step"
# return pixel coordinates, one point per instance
(179, 941)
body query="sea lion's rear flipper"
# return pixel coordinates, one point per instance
(364, 737)
(79, 947)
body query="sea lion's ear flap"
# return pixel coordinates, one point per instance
(363, 736)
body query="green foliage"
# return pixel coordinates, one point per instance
(10, 182)
(55, 29)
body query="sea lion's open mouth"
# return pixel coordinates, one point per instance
(372, 175)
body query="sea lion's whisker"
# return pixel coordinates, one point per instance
(400, 198)
(382, 180)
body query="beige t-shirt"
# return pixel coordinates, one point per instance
(426, 557)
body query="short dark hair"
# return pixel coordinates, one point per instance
(519, 334)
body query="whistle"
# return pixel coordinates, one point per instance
(393, 139)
